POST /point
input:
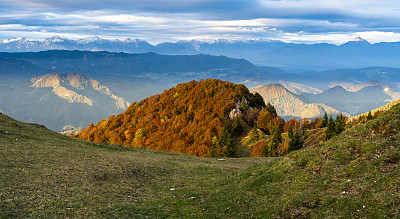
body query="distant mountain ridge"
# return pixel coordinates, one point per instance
(146, 66)
(289, 105)
(386, 89)
(88, 44)
(56, 100)
(359, 99)
(298, 88)
(17, 69)
(353, 54)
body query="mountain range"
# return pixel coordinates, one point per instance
(44, 174)
(148, 67)
(133, 77)
(358, 99)
(291, 101)
(164, 71)
(289, 105)
(57, 100)
(289, 56)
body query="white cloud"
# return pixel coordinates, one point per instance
(310, 21)
(340, 38)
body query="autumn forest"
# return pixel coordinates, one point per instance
(202, 119)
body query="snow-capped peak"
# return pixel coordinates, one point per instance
(359, 39)
(128, 40)
(55, 39)
(13, 40)
(90, 40)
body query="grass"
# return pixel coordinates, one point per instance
(244, 144)
(355, 174)
(44, 174)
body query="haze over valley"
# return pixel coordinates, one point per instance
(199, 109)
(34, 78)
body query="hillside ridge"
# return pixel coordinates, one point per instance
(61, 82)
(196, 118)
(290, 105)
(354, 174)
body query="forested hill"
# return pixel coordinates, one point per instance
(194, 118)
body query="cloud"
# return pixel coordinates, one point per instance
(166, 20)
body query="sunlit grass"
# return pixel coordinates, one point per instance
(355, 174)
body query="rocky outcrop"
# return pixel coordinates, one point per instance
(71, 86)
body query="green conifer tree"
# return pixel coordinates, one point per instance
(270, 108)
(257, 101)
(330, 130)
(340, 124)
(243, 105)
(290, 132)
(296, 142)
(325, 120)
(237, 127)
(223, 142)
(369, 116)
(274, 141)
(264, 151)
(254, 135)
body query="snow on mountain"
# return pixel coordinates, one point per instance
(55, 39)
(87, 44)
(359, 39)
(288, 56)
(19, 39)
(91, 40)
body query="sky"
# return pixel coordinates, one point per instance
(156, 21)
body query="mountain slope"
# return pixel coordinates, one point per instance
(289, 105)
(139, 67)
(77, 179)
(298, 89)
(57, 100)
(387, 75)
(352, 175)
(191, 118)
(386, 89)
(355, 174)
(20, 70)
(374, 112)
(61, 82)
(354, 103)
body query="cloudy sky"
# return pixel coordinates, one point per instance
(305, 21)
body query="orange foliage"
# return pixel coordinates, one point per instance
(183, 119)
(284, 147)
(267, 120)
(294, 123)
(257, 148)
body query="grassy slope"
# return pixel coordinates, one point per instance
(44, 174)
(382, 108)
(356, 174)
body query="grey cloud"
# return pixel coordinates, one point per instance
(165, 19)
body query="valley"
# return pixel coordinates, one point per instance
(133, 77)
